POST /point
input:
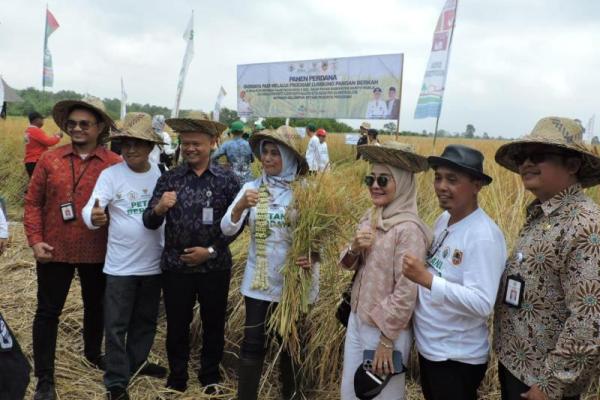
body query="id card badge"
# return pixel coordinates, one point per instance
(67, 210)
(207, 216)
(513, 292)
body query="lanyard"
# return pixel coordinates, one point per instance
(76, 182)
(438, 243)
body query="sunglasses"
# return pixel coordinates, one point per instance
(536, 157)
(83, 124)
(382, 180)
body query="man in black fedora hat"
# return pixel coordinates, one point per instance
(458, 282)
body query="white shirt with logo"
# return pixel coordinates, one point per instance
(277, 245)
(132, 249)
(450, 320)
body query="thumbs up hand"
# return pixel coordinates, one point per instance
(99, 217)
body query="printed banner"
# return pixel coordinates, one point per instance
(48, 72)
(432, 90)
(217, 110)
(365, 87)
(123, 100)
(188, 36)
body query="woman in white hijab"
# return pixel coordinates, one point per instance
(262, 204)
(382, 301)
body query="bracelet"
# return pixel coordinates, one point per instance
(387, 346)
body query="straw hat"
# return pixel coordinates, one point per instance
(365, 125)
(281, 138)
(137, 125)
(560, 133)
(396, 154)
(62, 109)
(288, 131)
(197, 121)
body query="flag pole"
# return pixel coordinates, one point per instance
(44, 52)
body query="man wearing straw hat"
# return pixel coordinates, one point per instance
(132, 265)
(191, 199)
(61, 185)
(547, 318)
(458, 282)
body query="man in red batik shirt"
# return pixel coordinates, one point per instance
(36, 141)
(60, 187)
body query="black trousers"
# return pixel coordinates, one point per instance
(450, 380)
(14, 367)
(54, 281)
(511, 387)
(181, 292)
(131, 308)
(254, 344)
(29, 167)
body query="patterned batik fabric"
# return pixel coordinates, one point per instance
(552, 340)
(52, 185)
(186, 223)
(239, 156)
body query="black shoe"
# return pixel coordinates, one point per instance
(98, 362)
(117, 393)
(44, 390)
(178, 387)
(153, 370)
(249, 373)
(290, 377)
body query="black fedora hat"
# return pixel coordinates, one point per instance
(462, 158)
(368, 385)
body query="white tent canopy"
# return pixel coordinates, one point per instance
(8, 94)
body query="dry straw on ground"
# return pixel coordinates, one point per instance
(503, 200)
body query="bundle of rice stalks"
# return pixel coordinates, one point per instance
(326, 207)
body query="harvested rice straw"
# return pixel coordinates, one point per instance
(327, 207)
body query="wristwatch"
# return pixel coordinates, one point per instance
(212, 253)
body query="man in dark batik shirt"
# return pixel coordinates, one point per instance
(196, 261)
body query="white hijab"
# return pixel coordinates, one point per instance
(279, 185)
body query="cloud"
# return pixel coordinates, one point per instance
(510, 64)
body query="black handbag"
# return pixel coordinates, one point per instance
(345, 307)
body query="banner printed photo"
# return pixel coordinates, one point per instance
(365, 87)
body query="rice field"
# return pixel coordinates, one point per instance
(503, 200)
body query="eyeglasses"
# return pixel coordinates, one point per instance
(382, 180)
(83, 124)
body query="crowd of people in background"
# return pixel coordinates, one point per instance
(132, 230)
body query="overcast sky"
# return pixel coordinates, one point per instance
(512, 61)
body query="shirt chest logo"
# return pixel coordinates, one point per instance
(457, 257)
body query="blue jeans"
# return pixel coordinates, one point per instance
(131, 309)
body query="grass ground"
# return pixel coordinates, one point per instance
(504, 201)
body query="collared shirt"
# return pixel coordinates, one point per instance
(553, 339)
(381, 295)
(376, 109)
(195, 218)
(37, 142)
(52, 185)
(467, 262)
(239, 155)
